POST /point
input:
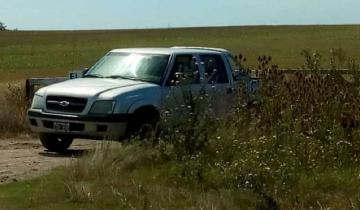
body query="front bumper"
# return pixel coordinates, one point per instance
(88, 126)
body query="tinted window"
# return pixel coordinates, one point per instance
(215, 70)
(184, 71)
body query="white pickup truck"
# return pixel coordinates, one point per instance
(124, 92)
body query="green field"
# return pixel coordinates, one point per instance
(29, 54)
(279, 154)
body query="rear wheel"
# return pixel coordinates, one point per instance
(55, 142)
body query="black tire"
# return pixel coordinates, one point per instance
(143, 126)
(55, 143)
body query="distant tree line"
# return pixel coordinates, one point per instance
(2, 26)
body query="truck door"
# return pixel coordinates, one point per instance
(184, 76)
(217, 81)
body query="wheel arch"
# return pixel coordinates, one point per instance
(148, 110)
(145, 113)
(143, 104)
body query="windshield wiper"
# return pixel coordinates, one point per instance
(116, 77)
(94, 76)
(128, 78)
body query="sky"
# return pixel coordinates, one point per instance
(136, 14)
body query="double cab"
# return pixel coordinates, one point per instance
(124, 92)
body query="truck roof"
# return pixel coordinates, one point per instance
(171, 50)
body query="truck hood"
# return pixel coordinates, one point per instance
(88, 87)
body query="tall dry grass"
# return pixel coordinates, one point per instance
(13, 108)
(136, 176)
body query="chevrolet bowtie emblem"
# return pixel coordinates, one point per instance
(64, 103)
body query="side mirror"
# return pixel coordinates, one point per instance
(85, 71)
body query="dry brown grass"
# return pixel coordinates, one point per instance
(13, 107)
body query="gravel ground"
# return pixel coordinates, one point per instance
(23, 158)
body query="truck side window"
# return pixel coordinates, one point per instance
(215, 70)
(184, 71)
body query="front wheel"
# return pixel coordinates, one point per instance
(144, 129)
(143, 126)
(55, 143)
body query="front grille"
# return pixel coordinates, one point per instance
(66, 104)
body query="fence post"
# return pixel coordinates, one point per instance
(29, 90)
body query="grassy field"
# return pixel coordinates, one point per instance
(136, 184)
(136, 177)
(30, 54)
(298, 149)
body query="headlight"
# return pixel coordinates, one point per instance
(38, 102)
(103, 107)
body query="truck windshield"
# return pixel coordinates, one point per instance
(144, 67)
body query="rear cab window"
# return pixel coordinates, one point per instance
(214, 69)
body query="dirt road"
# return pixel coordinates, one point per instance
(24, 158)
